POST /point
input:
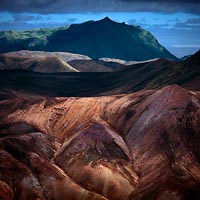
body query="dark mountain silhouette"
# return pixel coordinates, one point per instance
(97, 39)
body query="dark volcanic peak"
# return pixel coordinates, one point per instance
(106, 19)
(97, 39)
(106, 38)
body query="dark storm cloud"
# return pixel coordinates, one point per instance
(142, 22)
(192, 24)
(193, 21)
(23, 25)
(22, 17)
(161, 1)
(71, 20)
(67, 6)
(132, 21)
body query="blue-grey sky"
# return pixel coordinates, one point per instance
(175, 23)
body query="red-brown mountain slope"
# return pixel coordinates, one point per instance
(140, 146)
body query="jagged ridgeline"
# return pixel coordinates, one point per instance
(97, 39)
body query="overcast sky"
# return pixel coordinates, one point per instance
(175, 23)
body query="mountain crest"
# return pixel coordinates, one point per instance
(97, 39)
(106, 19)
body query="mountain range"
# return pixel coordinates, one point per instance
(128, 79)
(53, 62)
(120, 120)
(96, 39)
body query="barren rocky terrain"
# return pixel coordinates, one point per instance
(138, 146)
(128, 79)
(99, 110)
(48, 64)
(54, 62)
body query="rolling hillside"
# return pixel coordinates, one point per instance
(95, 65)
(142, 76)
(65, 56)
(53, 62)
(48, 64)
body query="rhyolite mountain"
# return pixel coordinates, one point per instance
(65, 56)
(139, 146)
(48, 64)
(54, 62)
(96, 39)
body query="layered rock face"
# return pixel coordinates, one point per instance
(140, 146)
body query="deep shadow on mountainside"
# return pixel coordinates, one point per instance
(139, 146)
(97, 39)
(142, 76)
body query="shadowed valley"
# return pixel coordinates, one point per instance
(131, 78)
